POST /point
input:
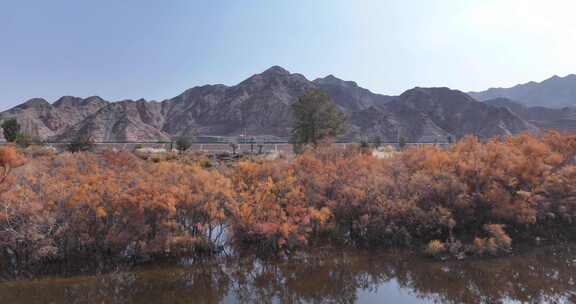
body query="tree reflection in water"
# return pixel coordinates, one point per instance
(539, 276)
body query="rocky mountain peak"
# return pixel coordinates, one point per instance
(94, 100)
(348, 95)
(35, 103)
(276, 70)
(458, 114)
(275, 79)
(333, 80)
(67, 101)
(74, 102)
(330, 79)
(434, 95)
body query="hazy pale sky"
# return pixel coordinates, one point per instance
(127, 49)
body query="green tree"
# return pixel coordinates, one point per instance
(80, 144)
(316, 118)
(234, 147)
(183, 144)
(24, 141)
(402, 142)
(11, 129)
(364, 143)
(377, 142)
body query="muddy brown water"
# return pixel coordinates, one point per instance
(543, 275)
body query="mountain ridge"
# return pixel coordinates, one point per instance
(562, 119)
(260, 106)
(555, 92)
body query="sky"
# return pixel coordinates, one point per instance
(154, 49)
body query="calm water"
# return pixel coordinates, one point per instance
(544, 275)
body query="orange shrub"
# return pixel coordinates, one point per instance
(424, 193)
(471, 198)
(271, 208)
(85, 204)
(497, 242)
(435, 248)
(9, 159)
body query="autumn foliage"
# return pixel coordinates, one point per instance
(112, 204)
(9, 159)
(471, 198)
(272, 209)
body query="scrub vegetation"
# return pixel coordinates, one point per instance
(470, 199)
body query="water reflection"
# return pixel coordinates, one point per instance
(539, 276)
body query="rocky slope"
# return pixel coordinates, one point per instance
(39, 118)
(260, 106)
(348, 95)
(553, 92)
(563, 119)
(126, 120)
(434, 114)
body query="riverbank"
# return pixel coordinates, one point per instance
(471, 199)
(545, 274)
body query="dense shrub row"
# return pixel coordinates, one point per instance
(471, 198)
(111, 204)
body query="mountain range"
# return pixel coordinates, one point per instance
(554, 92)
(260, 106)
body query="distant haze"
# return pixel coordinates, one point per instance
(157, 49)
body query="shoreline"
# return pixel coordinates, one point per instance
(344, 274)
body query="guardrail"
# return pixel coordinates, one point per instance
(237, 142)
(232, 142)
(218, 147)
(208, 147)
